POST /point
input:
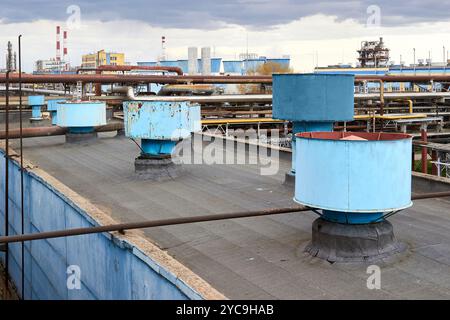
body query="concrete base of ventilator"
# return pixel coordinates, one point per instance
(336, 242)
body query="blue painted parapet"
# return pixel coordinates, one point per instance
(52, 108)
(354, 178)
(36, 103)
(81, 117)
(160, 124)
(312, 102)
(110, 266)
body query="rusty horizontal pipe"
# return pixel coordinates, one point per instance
(134, 79)
(147, 224)
(102, 78)
(175, 221)
(54, 131)
(177, 70)
(402, 78)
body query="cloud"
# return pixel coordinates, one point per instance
(213, 14)
(317, 39)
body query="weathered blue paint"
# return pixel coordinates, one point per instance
(160, 124)
(313, 97)
(160, 120)
(36, 103)
(52, 107)
(372, 176)
(81, 114)
(111, 268)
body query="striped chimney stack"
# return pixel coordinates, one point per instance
(65, 50)
(58, 43)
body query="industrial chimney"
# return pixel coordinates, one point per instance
(66, 62)
(206, 61)
(192, 60)
(58, 43)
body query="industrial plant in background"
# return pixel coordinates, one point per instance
(59, 63)
(373, 54)
(11, 58)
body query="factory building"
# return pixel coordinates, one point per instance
(217, 65)
(50, 66)
(102, 58)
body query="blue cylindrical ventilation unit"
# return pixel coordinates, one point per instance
(81, 117)
(36, 103)
(312, 102)
(159, 125)
(354, 178)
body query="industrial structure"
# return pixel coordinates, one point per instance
(60, 62)
(373, 54)
(207, 65)
(186, 192)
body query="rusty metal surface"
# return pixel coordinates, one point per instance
(133, 79)
(101, 78)
(106, 68)
(54, 131)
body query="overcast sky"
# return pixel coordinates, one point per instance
(311, 32)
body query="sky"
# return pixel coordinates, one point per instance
(312, 32)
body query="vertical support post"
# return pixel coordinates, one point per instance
(98, 86)
(424, 138)
(413, 160)
(434, 158)
(22, 209)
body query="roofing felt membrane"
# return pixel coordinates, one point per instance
(253, 258)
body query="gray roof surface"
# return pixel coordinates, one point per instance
(254, 258)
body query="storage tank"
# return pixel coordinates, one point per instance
(36, 103)
(160, 125)
(312, 102)
(81, 118)
(354, 180)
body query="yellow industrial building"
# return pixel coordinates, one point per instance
(101, 58)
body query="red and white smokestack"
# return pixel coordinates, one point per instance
(66, 62)
(58, 43)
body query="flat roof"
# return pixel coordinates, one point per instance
(252, 258)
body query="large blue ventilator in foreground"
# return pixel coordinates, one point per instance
(353, 180)
(312, 102)
(160, 125)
